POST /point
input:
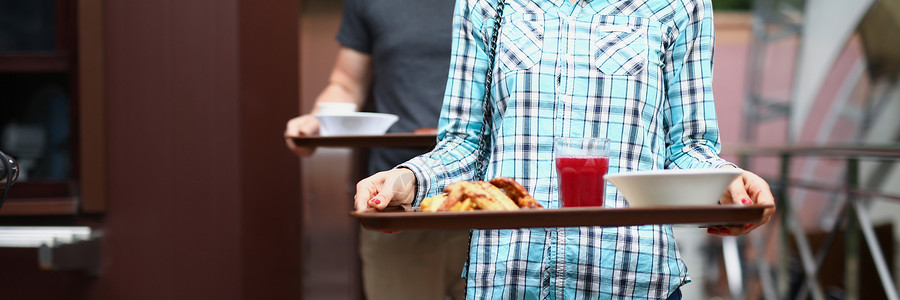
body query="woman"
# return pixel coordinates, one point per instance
(636, 72)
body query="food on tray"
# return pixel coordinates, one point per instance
(501, 193)
(516, 191)
(433, 202)
(487, 196)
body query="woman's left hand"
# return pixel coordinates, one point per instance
(747, 189)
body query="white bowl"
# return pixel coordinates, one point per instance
(678, 187)
(334, 108)
(357, 123)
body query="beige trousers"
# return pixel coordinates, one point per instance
(413, 264)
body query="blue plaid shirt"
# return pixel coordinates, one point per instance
(636, 72)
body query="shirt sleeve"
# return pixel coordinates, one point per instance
(459, 127)
(692, 128)
(354, 32)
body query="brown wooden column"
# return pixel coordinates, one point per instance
(269, 96)
(184, 167)
(203, 196)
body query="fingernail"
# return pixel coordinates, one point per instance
(725, 231)
(712, 230)
(376, 201)
(746, 201)
(748, 226)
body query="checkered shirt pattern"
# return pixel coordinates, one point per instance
(636, 72)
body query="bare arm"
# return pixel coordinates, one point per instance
(350, 81)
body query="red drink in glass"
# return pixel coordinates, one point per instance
(581, 180)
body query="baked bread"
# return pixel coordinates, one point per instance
(502, 193)
(516, 191)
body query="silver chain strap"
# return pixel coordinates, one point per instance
(483, 150)
(485, 136)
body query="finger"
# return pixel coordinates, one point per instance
(298, 150)
(761, 194)
(293, 127)
(308, 126)
(365, 190)
(298, 127)
(373, 193)
(728, 230)
(305, 125)
(735, 193)
(289, 133)
(382, 199)
(289, 142)
(304, 151)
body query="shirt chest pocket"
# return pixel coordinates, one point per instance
(519, 43)
(619, 45)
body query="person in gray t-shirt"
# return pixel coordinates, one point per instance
(396, 53)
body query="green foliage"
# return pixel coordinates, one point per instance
(732, 4)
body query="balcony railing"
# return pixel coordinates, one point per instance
(853, 219)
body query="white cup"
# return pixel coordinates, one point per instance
(335, 108)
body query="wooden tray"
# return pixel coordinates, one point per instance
(562, 217)
(386, 140)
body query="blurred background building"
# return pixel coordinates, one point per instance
(153, 166)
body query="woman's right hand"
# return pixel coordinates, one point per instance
(395, 187)
(305, 125)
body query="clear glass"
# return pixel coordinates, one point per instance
(581, 164)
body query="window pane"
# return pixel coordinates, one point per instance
(27, 26)
(35, 125)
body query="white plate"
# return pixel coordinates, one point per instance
(680, 187)
(357, 123)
